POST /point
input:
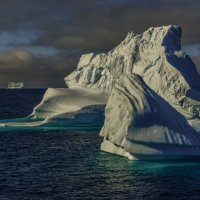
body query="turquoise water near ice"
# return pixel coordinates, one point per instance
(67, 164)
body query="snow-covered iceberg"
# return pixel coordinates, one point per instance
(156, 115)
(151, 90)
(153, 109)
(157, 57)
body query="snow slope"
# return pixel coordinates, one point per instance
(73, 105)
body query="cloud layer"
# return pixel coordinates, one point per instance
(35, 70)
(41, 41)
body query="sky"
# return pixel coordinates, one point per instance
(41, 41)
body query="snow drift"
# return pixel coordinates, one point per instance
(74, 106)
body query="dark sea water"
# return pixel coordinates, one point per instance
(67, 164)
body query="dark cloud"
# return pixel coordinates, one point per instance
(73, 27)
(97, 19)
(193, 50)
(197, 62)
(103, 25)
(35, 70)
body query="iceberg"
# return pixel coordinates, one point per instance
(15, 85)
(153, 111)
(68, 108)
(153, 86)
(144, 94)
(74, 106)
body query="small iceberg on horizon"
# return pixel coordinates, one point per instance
(15, 85)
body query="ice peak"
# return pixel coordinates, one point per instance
(158, 48)
(168, 37)
(130, 35)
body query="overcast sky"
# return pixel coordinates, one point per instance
(42, 40)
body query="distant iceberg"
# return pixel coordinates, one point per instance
(15, 85)
(145, 93)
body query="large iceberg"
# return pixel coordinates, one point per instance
(153, 109)
(149, 89)
(156, 56)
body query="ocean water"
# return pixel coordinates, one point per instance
(67, 164)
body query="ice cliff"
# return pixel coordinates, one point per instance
(153, 93)
(139, 124)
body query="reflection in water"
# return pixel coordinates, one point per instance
(115, 172)
(150, 179)
(69, 165)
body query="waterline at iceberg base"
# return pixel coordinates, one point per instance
(149, 89)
